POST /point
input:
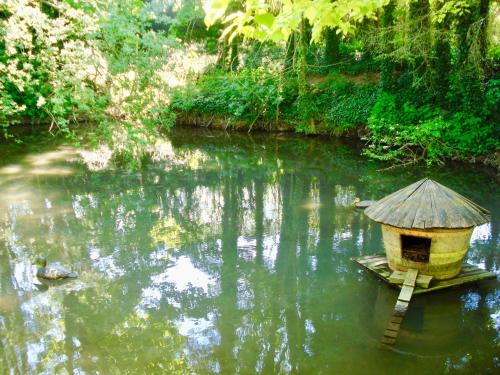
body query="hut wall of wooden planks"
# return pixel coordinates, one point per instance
(426, 226)
(446, 251)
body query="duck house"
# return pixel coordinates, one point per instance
(427, 227)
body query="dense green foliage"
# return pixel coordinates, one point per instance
(64, 62)
(256, 95)
(46, 63)
(416, 79)
(248, 95)
(403, 130)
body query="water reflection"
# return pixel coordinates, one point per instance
(228, 256)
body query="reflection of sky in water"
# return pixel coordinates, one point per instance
(43, 315)
(493, 299)
(341, 236)
(270, 251)
(471, 301)
(246, 248)
(124, 220)
(20, 208)
(184, 275)
(482, 238)
(106, 264)
(202, 338)
(310, 330)
(344, 196)
(481, 233)
(159, 256)
(201, 331)
(150, 298)
(209, 204)
(23, 276)
(271, 203)
(77, 206)
(495, 317)
(48, 203)
(245, 295)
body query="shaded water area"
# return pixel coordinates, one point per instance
(229, 254)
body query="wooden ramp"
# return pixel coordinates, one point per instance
(378, 265)
(411, 283)
(392, 330)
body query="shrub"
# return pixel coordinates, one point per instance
(48, 64)
(351, 108)
(407, 134)
(249, 94)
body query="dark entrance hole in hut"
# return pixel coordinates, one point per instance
(416, 249)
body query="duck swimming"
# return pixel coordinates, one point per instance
(53, 271)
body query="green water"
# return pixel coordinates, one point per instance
(228, 254)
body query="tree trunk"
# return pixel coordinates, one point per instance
(222, 55)
(484, 6)
(441, 59)
(387, 66)
(332, 43)
(234, 59)
(471, 28)
(290, 52)
(464, 22)
(420, 40)
(301, 73)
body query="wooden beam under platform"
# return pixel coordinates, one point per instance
(378, 265)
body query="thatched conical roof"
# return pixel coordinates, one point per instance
(427, 204)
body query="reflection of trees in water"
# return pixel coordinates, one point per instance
(271, 234)
(10, 319)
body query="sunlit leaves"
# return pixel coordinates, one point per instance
(265, 19)
(260, 21)
(453, 7)
(214, 10)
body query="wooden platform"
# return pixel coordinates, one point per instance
(469, 274)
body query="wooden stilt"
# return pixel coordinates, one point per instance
(392, 330)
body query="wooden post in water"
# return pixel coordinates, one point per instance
(392, 330)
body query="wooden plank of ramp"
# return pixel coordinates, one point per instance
(392, 330)
(398, 277)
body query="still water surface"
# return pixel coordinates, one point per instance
(228, 254)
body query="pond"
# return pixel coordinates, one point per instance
(227, 253)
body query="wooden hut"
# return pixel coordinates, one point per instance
(428, 227)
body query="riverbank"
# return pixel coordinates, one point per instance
(226, 122)
(26, 131)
